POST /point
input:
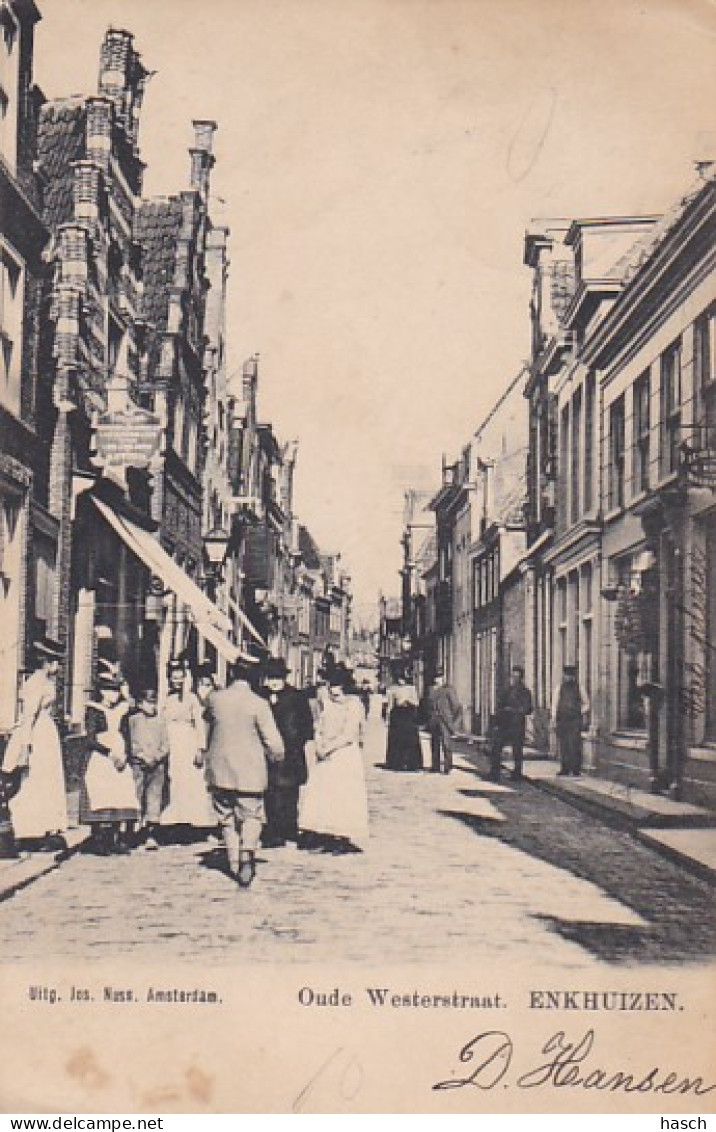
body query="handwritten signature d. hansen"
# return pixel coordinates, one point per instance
(563, 1063)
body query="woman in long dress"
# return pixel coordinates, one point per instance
(108, 801)
(34, 753)
(189, 802)
(334, 801)
(403, 749)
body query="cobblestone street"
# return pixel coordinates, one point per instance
(456, 866)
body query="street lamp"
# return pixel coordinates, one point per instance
(216, 544)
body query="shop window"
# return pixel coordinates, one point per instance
(670, 408)
(635, 623)
(11, 302)
(586, 633)
(10, 571)
(616, 453)
(562, 622)
(642, 393)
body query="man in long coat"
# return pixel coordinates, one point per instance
(243, 739)
(444, 720)
(294, 719)
(570, 707)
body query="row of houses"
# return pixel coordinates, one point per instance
(578, 524)
(146, 512)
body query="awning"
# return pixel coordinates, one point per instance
(209, 619)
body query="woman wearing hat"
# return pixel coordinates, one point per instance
(39, 810)
(189, 802)
(109, 797)
(403, 751)
(334, 802)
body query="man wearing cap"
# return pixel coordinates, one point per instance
(514, 707)
(570, 707)
(294, 719)
(444, 719)
(243, 738)
(148, 755)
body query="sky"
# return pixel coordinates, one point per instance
(378, 163)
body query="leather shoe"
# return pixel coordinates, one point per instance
(247, 871)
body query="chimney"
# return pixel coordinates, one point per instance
(122, 79)
(202, 158)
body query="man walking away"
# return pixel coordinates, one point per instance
(444, 720)
(515, 706)
(243, 738)
(148, 755)
(569, 708)
(294, 719)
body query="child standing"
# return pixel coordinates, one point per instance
(148, 755)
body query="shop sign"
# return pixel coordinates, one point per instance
(128, 438)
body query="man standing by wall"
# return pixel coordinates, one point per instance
(444, 720)
(514, 708)
(569, 708)
(243, 737)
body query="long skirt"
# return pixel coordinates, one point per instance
(108, 794)
(189, 801)
(334, 800)
(403, 750)
(40, 807)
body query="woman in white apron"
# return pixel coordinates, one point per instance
(334, 801)
(39, 810)
(109, 797)
(189, 802)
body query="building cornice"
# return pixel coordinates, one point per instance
(688, 242)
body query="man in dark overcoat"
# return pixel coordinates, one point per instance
(444, 720)
(294, 720)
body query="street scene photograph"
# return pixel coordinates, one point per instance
(358, 483)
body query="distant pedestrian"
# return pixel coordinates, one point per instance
(189, 803)
(292, 713)
(334, 804)
(365, 697)
(514, 707)
(148, 755)
(403, 750)
(33, 757)
(570, 708)
(243, 738)
(444, 721)
(108, 801)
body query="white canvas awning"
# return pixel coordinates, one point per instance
(208, 618)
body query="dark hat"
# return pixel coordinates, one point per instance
(570, 670)
(48, 649)
(147, 696)
(107, 680)
(275, 668)
(439, 671)
(338, 676)
(110, 674)
(205, 671)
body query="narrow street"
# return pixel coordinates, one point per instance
(456, 866)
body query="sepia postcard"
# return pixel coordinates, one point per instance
(358, 556)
